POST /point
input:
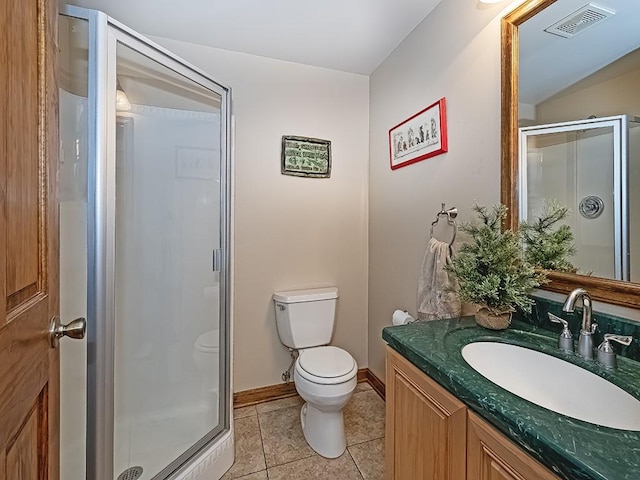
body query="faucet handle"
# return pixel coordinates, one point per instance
(556, 319)
(622, 339)
(606, 354)
(565, 341)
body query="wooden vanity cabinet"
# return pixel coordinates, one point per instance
(425, 426)
(431, 435)
(492, 456)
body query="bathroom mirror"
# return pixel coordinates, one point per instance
(563, 62)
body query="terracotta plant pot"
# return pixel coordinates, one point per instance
(495, 321)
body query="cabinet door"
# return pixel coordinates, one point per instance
(492, 456)
(426, 426)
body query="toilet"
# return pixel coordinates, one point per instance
(324, 375)
(206, 357)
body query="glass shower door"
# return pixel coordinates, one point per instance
(167, 230)
(582, 165)
(144, 255)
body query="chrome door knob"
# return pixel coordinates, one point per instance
(74, 329)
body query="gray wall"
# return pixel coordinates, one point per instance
(453, 53)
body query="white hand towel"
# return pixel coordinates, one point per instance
(437, 289)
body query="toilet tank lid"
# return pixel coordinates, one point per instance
(309, 295)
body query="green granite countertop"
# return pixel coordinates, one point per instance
(571, 448)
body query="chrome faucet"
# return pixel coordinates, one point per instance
(587, 329)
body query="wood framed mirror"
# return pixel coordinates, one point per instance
(621, 292)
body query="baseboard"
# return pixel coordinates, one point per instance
(264, 394)
(254, 396)
(376, 384)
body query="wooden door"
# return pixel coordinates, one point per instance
(29, 367)
(425, 426)
(492, 456)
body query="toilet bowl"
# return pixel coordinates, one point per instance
(206, 357)
(325, 377)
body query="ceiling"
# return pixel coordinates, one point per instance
(550, 63)
(348, 35)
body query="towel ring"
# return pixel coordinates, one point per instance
(451, 214)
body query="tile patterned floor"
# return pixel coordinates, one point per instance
(270, 444)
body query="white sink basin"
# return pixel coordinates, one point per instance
(554, 384)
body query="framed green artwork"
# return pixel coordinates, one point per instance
(306, 157)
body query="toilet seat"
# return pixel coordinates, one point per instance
(326, 365)
(208, 342)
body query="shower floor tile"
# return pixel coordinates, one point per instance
(270, 444)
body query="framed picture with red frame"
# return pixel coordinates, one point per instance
(421, 136)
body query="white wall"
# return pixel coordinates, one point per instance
(292, 232)
(453, 53)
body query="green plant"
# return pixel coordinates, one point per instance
(547, 245)
(491, 269)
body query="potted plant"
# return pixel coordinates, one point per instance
(548, 244)
(492, 271)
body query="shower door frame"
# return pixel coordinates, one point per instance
(104, 35)
(620, 128)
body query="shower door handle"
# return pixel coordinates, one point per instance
(74, 329)
(217, 260)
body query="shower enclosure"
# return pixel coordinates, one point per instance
(593, 167)
(145, 229)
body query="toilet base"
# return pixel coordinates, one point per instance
(323, 431)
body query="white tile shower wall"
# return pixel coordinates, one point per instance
(73, 282)
(594, 176)
(167, 294)
(568, 167)
(73, 353)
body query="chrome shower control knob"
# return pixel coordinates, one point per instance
(591, 207)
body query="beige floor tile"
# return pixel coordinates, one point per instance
(363, 387)
(282, 436)
(364, 417)
(244, 412)
(262, 475)
(278, 404)
(369, 458)
(249, 456)
(317, 467)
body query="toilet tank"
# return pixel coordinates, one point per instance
(305, 318)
